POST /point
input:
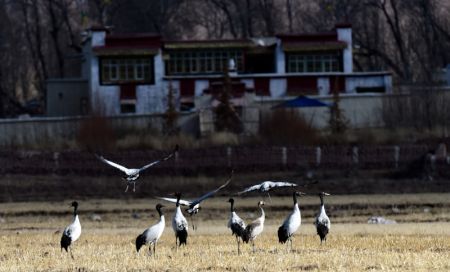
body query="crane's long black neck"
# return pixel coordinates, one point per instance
(160, 211)
(232, 206)
(75, 211)
(321, 200)
(178, 200)
(294, 196)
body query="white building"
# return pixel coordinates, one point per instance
(131, 73)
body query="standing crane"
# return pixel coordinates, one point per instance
(255, 228)
(322, 221)
(236, 224)
(179, 224)
(152, 234)
(291, 223)
(193, 206)
(73, 231)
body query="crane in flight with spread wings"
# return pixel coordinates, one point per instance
(193, 206)
(132, 174)
(266, 186)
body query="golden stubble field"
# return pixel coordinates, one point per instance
(30, 235)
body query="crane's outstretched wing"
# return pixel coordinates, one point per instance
(113, 164)
(251, 188)
(283, 184)
(174, 200)
(158, 161)
(211, 193)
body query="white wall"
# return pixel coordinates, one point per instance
(106, 98)
(278, 87)
(345, 35)
(323, 84)
(374, 81)
(49, 130)
(149, 99)
(361, 110)
(200, 86)
(280, 59)
(249, 83)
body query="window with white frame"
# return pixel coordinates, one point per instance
(202, 62)
(127, 70)
(302, 63)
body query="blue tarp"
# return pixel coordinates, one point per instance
(302, 101)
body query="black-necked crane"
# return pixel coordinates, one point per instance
(193, 206)
(179, 224)
(322, 221)
(255, 228)
(291, 223)
(236, 224)
(73, 231)
(266, 186)
(152, 234)
(132, 174)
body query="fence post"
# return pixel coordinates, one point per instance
(355, 155)
(318, 155)
(396, 155)
(229, 155)
(56, 160)
(284, 155)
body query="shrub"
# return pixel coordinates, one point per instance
(96, 135)
(285, 127)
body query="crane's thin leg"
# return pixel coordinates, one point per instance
(239, 250)
(270, 199)
(176, 242)
(154, 249)
(126, 189)
(290, 239)
(253, 245)
(192, 221)
(134, 187)
(71, 254)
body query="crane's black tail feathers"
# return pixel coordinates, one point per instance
(283, 235)
(237, 230)
(322, 231)
(182, 236)
(65, 242)
(246, 234)
(140, 241)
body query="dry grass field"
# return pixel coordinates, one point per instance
(30, 235)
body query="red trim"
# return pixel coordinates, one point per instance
(207, 41)
(98, 28)
(301, 85)
(319, 37)
(187, 87)
(238, 88)
(127, 91)
(343, 25)
(133, 40)
(262, 86)
(337, 84)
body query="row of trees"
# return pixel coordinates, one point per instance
(40, 39)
